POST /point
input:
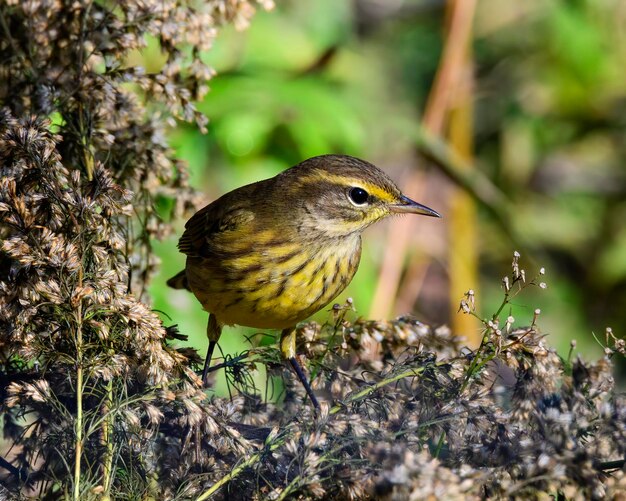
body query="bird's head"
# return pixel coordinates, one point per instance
(339, 195)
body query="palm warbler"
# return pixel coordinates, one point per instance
(272, 253)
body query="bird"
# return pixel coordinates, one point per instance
(270, 254)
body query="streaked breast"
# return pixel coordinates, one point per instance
(278, 287)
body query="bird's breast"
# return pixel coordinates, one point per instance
(275, 286)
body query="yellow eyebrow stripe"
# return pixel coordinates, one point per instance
(372, 189)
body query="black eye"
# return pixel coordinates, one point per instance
(358, 195)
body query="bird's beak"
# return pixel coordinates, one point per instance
(408, 206)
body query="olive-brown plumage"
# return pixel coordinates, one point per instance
(272, 253)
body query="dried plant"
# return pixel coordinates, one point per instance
(87, 378)
(417, 415)
(95, 401)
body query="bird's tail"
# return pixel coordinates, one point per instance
(179, 281)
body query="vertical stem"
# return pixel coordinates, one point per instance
(107, 428)
(78, 426)
(462, 234)
(78, 430)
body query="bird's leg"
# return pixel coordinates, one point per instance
(288, 349)
(213, 332)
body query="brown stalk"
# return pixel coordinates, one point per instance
(447, 80)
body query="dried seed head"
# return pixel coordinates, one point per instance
(515, 265)
(464, 306)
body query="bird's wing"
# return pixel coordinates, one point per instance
(208, 227)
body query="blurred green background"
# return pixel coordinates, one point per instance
(548, 101)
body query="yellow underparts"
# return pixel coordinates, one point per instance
(283, 287)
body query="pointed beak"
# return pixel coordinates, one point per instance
(408, 206)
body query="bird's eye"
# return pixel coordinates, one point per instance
(358, 196)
